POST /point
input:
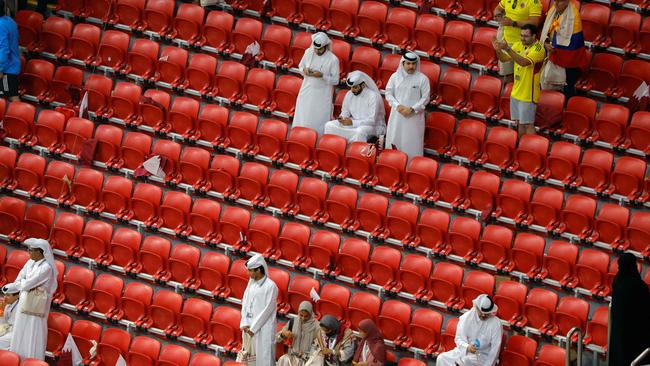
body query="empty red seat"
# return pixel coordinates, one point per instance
(240, 132)
(143, 351)
(58, 328)
(390, 169)
(394, 319)
(66, 85)
(550, 355)
(603, 72)
(594, 169)
(188, 24)
(29, 173)
(229, 80)
(595, 18)
(128, 12)
(109, 139)
(370, 21)
(29, 27)
(123, 249)
(285, 94)
(77, 131)
(77, 284)
(204, 220)
(171, 64)
(610, 123)
(447, 337)
(84, 332)
(482, 51)
(323, 247)
(281, 190)
(98, 88)
(15, 262)
(445, 283)
(571, 312)
(638, 132)
(623, 31)
(560, 263)
(453, 89)
(217, 29)
(224, 328)
(113, 49)
(258, 87)
(113, 343)
(400, 23)
(475, 284)
(578, 117)
(562, 162)
(545, 207)
(420, 176)
(451, 184)
(342, 15)
(597, 328)
(313, 12)
(164, 312)
(591, 271)
(55, 36)
(333, 301)
(135, 301)
(18, 121)
(510, 298)
(494, 247)
(200, 74)
(212, 123)
(105, 295)
(274, 46)
(456, 41)
(484, 96)
(262, 236)
(352, 260)
(439, 130)
(193, 166)
(468, 139)
(384, 266)
(427, 32)
(182, 117)
(637, 232)
(371, 215)
(84, 43)
(293, 242)
(153, 257)
(539, 308)
(366, 59)
(627, 177)
(531, 153)
(36, 77)
(362, 306)
(94, 240)
(175, 210)
(172, 355)
(158, 16)
(423, 331)
(38, 222)
(234, 221)
(194, 320)
(329, 154)
(299, 291)
(359, 161)
(66, 232)
(56, 179)
(432, 228)
(124, 101)
(462, 238)
(528, 253)
(520, 350)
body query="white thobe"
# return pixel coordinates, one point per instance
(407, 133)
(470, 328)
(367, 113)
(30, 332)
(258, 312)
(7, 321)
(314, 103)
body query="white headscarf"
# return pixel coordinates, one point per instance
(401, 73)
(258, 261)
(357, 77)
(318, 40)
(485, 305)
(44, 245)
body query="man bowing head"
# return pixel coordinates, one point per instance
(258, 312)
(362, 113)
(408, 94)
(478, 336)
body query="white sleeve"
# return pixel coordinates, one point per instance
(425, 92)
(244, 319)
(270, 299)
(495, 346)
(303, 63)
(25, 284)
(390, 93)
(461, 337)
(332, 75)
(345, 107)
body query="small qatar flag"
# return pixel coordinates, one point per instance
(314, 295)
(70, 355)
(121, 361)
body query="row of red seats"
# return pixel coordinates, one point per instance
(223, 175)
(566, 162)
(113, 342)
(9, 358)
(452, 185)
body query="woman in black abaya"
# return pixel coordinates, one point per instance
(630, 316)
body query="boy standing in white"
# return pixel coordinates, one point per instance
(320, 70)
(408, 94)
(258, 311)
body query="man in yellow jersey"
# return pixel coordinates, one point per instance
(512, 15)
(528, 56)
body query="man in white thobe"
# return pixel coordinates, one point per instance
(408, 94)
(258, 311)
(320, 70)
(7, 320)
(478, 336)
(30, 331)
(362, 113)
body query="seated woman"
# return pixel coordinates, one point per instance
(302, 332)
(371, 350)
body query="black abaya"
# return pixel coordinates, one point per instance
(630, 315)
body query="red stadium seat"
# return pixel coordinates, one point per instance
(299, 291)
(145, 204)
(175, 210)
(421, 175)
(562, 162)
(439, 131)
(135, 301)
(528, 253)
(66, 232)
(637, 232)
(482, 51)
(29, 27)
(194, 320)
(591, 271)
(520, 350)
(58, 328)
(539, 309)
(258, 87)
(251, 182)
(595, 18)
(200, 74)
(390, 169)
(113, 343)
(188, 24)
(173, 355)
(484, 96)
(462, 239)
(333, 301)
(54, 180)
(445, 285)
(627, 177)
(578, 117)
(432, 228)
(447, 337)
(313, 12)
(594, 169)
(603, 72)
(15, 262)
(293, 242)
(384, 266)
(193, 166)
(453, 89)
(343, 15)
(29, 173)
(274, 46)
(352, 261)
(597, 328)
(638, 132)
(262, 236)
(77, 285)
(224, 328)
(531, 153)
(456, 41)
(468, 139)
(217, 30)
(99, 89)
(366, 59)
(77, 131)
(128, 12)
(370, 21)
(213, 271)
(123, 249)
(270, 137)
(427, 33)
(550, 355)
(222, 173)
(143, 351)
(394, 319)
(212, 123)
(87, 189)
(38, 221)
(109, 139)
(241, 131)
(84, 332)
(362, 306)
(134, 149)
(83, 43)
(451, 184)
(494, 247)
(164, 311)
(105, 295)
(560, 263)
(371, 215)
(124, 102)
(36, 78)
(171, 64)
(474, 284)
(153, 257)
(18, 121)
(55, 36)
(158, 16)
(281, 190)
(623, 31)
(182, 117)
(400, 23)
(66, 80)
(413, 276)
(94, 240)
(510, 298)
(323, 248)
(545, 207)
(571, 312)
(610, 123)
(329, 154)
(113, 49)
(234, 222)
(359, 162)
(246, 31)
(577, 216)
(423, 331)
(285, 94)
(300, 145)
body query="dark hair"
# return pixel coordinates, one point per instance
(530, 27)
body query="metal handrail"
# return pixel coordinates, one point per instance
(643, 355)
(567, 346)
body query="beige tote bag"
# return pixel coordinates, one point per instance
(35, 302)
